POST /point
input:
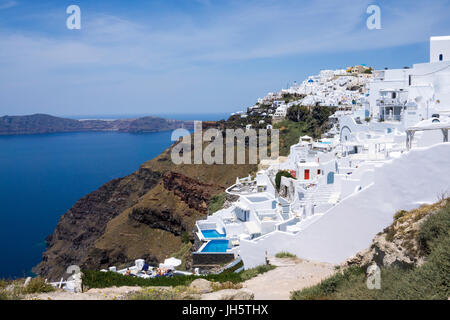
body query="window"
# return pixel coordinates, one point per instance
(318, 171)
(441, 57)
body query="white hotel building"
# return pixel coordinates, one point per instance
(346, 188)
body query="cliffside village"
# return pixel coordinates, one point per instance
(387, 150)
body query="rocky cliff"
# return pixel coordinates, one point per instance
(399, 244)
(143, 215)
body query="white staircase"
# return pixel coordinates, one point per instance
(325, 194)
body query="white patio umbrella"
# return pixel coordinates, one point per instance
(172, 262)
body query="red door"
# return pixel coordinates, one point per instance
(306, 174)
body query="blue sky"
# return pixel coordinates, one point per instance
(194, 56)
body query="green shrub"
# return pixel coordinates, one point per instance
(216, 202)
(37, 285)
(3, 295)
(301, 121)
(285, 255)
(290, 133)
(298, 113)
(3, 283)
(399, 214)
(390, 233)
(279, 175)
(328, 286)
(185, 237)
(98, 279)
(429, 281)
(251, 273)
(434, 228)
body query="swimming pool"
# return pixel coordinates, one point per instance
(325, 142)
(210, 234)
(216, 246)
(257, 199)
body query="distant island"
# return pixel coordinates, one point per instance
(43, 123)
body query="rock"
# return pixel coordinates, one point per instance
(201, 285)
(10, 288)
(193, 192)
(155, 197)
(230, 294)
(78, 282)
(398, 244)
(86, 221)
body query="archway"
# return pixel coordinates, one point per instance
(345, 133)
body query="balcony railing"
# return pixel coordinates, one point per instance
(389, 102)
(391, 117)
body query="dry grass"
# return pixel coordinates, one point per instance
(176, 293)
(15, 290)
(216, 286)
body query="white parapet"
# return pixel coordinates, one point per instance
(417, 177)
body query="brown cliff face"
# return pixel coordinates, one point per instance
(142, 215)
(78, 229)
(196, 194)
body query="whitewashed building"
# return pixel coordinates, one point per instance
(337, 193)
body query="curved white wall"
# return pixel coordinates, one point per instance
(419, 176)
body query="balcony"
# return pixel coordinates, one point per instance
(389, 102)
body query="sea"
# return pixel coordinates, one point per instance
(42, 176)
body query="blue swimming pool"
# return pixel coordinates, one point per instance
(210, 234)
(257, 199)
(325, 142)
(216, 246)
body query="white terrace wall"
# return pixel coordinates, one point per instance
(417, 177)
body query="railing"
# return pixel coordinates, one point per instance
(391, 117)
(389, 102)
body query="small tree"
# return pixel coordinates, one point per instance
(297, 113)
(280, 174)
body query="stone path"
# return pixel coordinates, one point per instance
(290, 274)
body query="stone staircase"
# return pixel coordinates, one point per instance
(325, 194)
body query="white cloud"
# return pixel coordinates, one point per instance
(135, 56)
(246, 31)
